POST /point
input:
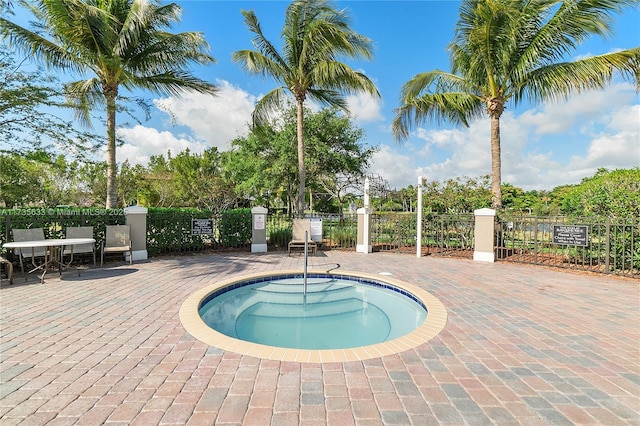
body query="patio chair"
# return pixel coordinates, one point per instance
(300, 227)
(29, 234)
(79, 232)
(117, 240)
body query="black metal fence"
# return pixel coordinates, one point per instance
(610, 246)
(330, 231)
(448, 235)
(169, 232)
(442, 235)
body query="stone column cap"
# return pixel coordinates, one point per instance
(484, 212)
(135, 210)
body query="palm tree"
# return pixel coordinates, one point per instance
(124, 43)
(314, 37)
(514, 50)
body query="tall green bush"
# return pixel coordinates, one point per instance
(169, 230)
(235, 228)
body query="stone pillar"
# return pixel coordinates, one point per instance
(363, 241)
(136, 218)
(484, 230)
(259, 230)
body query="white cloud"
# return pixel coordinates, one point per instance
(364, 107)
(143, 142)
(206, 121)
(585, 108)
(215, 119)
(397, 169)
(617, 146)
(556, 144)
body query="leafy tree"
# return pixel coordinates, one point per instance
(314, 38)
(545, 204)
(29, 101)
(94, 183)
(87, 183)
(186, 180)
(337, 162)
(36, 178)
(155, 190)
(19, 180)
(514, 50)
(197, 180)
(124, 43)
(607, 194)
(459, 195)
(56, 180)
(129, 178)
(259, 165)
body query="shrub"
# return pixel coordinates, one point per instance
(345, 236)
(280, 237)
(235, 228)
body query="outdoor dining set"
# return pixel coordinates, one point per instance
(30, 245)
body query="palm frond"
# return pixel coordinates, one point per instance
(268, 105)
(256, 63)
(556, 28)
(436, 96)
(166, 52)
(327, 97)
(434, 82)
(557, 81)
(84, 96)
(453, 107)
(37, 46)
(338, 75)
(261, 43)
(170, 82)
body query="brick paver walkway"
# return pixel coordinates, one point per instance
(522, 345)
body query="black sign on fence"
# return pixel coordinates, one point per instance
(572, 235)
(201, 226)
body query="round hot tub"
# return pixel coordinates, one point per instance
(332, 317)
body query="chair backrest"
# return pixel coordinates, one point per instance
(81, 232)
(300, 226)
(117, 236)
(30, 234)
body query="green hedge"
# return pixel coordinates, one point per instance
(235, 228)
(55, 222)
(169, 231)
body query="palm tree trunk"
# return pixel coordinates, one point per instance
(112, 190)
(496, 165)
(302, 171)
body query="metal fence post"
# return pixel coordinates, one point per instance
(607, 245)
(535, 241)
(419, 219)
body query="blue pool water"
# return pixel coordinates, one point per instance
(336, 313)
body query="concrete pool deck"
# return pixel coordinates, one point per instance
(522, 345)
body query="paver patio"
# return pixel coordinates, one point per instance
(522, 345)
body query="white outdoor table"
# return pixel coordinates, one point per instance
(49, 255)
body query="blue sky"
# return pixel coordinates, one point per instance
(543, 146)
